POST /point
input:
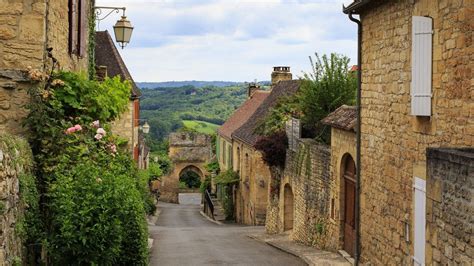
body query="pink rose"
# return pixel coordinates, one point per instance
(78, 127)
(70, 130)
(96, 124)
(101, 131)
(98, 136)
(113, 148)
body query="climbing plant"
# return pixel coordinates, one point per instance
(92, 201)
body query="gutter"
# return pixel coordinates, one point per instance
(358, 133)
(355, 7)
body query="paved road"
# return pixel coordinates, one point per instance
(183, 237)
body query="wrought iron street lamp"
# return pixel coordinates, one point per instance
(122, 29)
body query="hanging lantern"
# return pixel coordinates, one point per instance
(123, 31)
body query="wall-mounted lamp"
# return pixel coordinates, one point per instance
(145, 128)
(122, 29)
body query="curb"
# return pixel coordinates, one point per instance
(209, 218)
(288, 251)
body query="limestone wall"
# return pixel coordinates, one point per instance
(307, 171)
(394, 142)
(124, 127)
(252, 192)
(449, 208)
(27, 28)
(15, 160)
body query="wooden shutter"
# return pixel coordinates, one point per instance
(419, 187)
(73, 7)
(422, 46)
(82, 31)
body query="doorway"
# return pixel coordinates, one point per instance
(349, 181)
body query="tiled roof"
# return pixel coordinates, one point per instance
(242, 114)
(106, 54)
(246, 133)
(344, 117)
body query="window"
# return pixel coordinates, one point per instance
(422, 46)
(78, 24)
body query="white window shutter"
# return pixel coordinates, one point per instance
(422, 46)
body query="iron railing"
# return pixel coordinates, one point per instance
(208, 204)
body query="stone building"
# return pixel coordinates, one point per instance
(311, 204)
(188, 152)
(27, 28)
(417, 93)
(109, 63)
(237, 119)
(251, 195)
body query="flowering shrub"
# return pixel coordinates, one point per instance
(92, 206)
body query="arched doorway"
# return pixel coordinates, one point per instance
(288, 215)
(348, 171)
(190, 177)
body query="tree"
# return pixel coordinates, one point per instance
(329, 85)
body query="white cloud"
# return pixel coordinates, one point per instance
(229, 39)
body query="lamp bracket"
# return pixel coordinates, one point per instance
(99, 9)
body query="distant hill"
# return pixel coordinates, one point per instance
(194, 83)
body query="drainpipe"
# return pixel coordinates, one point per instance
(358, 137)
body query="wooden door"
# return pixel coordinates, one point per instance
(349, 207)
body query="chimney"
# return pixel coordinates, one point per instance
(281, 73)
(253, 87)
(100, 73)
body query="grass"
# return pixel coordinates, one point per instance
(201, 126)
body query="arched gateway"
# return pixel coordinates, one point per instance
(189, 152)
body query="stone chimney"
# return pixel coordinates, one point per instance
(252, 88)
(281, 73)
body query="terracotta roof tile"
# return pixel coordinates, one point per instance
(246, 133)
(106, 54)
(242, 114)
(344, 117)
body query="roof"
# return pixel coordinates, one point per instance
(106, 54)
(356, 6)
(243, 113)
(246, 133)
(344, 117)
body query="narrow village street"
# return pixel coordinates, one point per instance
(182, 236)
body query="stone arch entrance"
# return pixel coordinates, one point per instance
(288, 208)
(192, 176)
(348, 193)
(189, 152)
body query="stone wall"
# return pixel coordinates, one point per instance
(307, 171)
(15, 160)
(393, 141)
(27, 28)
(449, 208)
(252, 192)
(124, 127)
(187, 151)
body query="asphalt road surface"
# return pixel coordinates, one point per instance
(182, 236)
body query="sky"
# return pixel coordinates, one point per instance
(231, 40)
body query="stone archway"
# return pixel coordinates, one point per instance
(288, 208)
(192, 176)
(188, 151)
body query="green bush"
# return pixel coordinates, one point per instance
(93, 200)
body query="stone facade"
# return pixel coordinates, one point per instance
(27, 28)
(187, 151)
(394, 142)
(251, 195)
(449, 208)
(307, 176)
(15, 160)
(126, 126)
